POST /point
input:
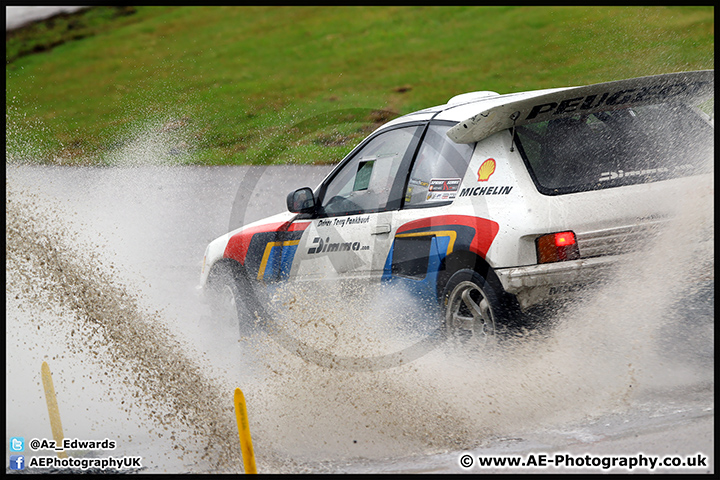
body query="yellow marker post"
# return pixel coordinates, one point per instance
(53, 410)
(244, 431)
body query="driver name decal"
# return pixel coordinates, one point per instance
(341, 222)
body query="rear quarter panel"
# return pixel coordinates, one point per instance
(509, 197)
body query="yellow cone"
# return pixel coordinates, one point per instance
(244, 431)
(53, 410)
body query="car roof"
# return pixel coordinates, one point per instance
(480, 114)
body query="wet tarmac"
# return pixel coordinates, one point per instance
(102, 266)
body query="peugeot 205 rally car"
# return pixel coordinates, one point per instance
(490, 204)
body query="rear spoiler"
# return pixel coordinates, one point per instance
(697, 86)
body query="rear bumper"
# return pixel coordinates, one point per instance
(535, 284)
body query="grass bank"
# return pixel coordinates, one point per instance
(219, 85)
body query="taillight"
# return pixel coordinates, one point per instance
(556, 247)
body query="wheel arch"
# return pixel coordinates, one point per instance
(465, 259)
(222, 268)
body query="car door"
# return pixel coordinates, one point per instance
(350, 234)
(426, 229)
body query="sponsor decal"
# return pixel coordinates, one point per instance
(478, 191)
(415, 181)
(442, 189)
(605, 176)
(408, 195)
(325, 246)
(444, 185)
(660, 92)
(439, 196)
(486, 169)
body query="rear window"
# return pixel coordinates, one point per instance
(616, 147)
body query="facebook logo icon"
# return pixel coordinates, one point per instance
(17, 462)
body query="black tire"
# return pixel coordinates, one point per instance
(475, 309)
(227, 299)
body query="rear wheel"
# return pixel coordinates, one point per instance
(478, 309)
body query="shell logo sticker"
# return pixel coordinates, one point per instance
(486, 169)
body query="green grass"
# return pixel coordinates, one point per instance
(222, 85)
(43, 36)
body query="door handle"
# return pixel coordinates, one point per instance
(380, 229)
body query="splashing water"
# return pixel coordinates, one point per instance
(110, 332)
(164, 376)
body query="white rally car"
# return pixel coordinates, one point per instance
(489, 204)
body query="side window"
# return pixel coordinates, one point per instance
(367, 183)
(438, 169)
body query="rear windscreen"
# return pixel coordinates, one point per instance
(616, 147)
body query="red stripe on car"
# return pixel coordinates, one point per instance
(237, 246)
(485, 230)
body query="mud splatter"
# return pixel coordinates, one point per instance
(155, 372)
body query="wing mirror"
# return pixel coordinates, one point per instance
(301, 201)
